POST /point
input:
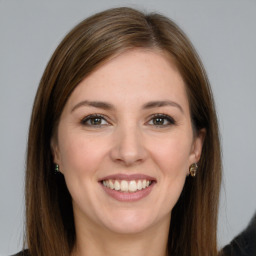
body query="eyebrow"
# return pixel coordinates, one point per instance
(108, 106)
(96, 104)
(154, 104)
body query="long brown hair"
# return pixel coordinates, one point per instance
(49, 216)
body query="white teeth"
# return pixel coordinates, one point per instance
(132, 186)
(117, 185)
(139, 185)
(111, 185)
(126, 186)
(144, 184)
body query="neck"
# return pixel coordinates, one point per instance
(151, 242)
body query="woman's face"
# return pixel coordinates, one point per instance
(125, 143)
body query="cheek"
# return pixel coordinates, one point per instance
(80, 155)
(172, 155)
(172, 159)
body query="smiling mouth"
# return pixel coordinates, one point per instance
(130, 186)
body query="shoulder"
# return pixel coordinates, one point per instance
(22, 253)
(244, 244)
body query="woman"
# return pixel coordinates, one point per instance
(123, 153)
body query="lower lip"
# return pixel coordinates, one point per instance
(128, 196)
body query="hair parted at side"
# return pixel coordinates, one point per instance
(49, 216)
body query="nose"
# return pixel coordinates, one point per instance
(128, 146)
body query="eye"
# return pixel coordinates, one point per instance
(161, 120)
(94, 120)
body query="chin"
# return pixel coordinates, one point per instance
(130, 222)
(128, 228)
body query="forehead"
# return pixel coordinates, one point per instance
(141, 74)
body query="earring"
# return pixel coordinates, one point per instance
(193, 169)
(56, 168)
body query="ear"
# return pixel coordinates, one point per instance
(197, 146)
(55, 150)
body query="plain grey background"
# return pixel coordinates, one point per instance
(223, 32)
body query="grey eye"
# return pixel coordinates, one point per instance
(93, 120)
(161, 120)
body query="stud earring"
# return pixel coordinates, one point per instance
(193, 169)
(56, 168)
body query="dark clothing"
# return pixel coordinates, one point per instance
(244, 244)
(22, 253)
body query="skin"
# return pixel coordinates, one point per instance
(127, 139)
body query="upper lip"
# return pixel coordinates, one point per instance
(128, 177)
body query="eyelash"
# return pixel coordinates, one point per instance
(93, 117)
(163, 117)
